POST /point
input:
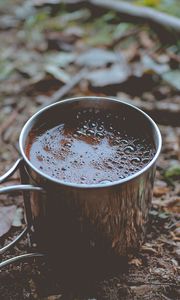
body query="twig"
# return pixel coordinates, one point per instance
(56, 97)
(140, 12)
(66, 88)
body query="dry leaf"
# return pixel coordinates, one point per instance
(148, 248)
(18, 217)
(97, 57)
(160, 191)
(109, 76)
(172, 205)
(135, 261)
(7, 214)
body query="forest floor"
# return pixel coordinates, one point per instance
(45, 47)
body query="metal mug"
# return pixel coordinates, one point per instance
(70, 220)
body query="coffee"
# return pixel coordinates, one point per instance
(91, 147)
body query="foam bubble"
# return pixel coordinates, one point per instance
(96, 150)
(129, 149)
(105, 181)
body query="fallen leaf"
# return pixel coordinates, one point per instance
(173, 78)
(57, 73)
(96, 57)
(159, 191)
(135, 261)
(7, 214)
(172, 205)
(6, 70)
(177, 251)
(148, 248)
(7, 22)
(25, 10)
(149, 65)
(175, 263)
(163, 215)
(172, 173)
(76, 31)
(159, 271)
(177, 231)
(121, 29)
(62, 59)
(175, 237)
(42, 2)
(18, 217)
(81, 14)
(109, 76)
(151, 2)
(145, 40)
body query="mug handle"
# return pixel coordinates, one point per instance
(21, 187)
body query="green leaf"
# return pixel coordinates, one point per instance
(102, 36)
(6, 68)
(153, 3)
(172, 174)
(120, 29)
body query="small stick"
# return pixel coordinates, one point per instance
(55, 97)
(65, 89)
(140, 12)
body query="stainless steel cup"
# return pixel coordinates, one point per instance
(68, 219)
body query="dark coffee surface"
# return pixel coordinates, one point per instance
(91, 149)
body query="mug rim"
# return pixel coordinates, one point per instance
(95, 185)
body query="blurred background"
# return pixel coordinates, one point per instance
(52, 50)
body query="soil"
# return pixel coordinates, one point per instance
(152, 272)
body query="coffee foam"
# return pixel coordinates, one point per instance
(96, 149)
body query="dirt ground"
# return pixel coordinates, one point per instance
(44, 49)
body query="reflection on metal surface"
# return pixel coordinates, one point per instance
(14, 242)
(11, 171)
(110, 219)
(19, 258)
